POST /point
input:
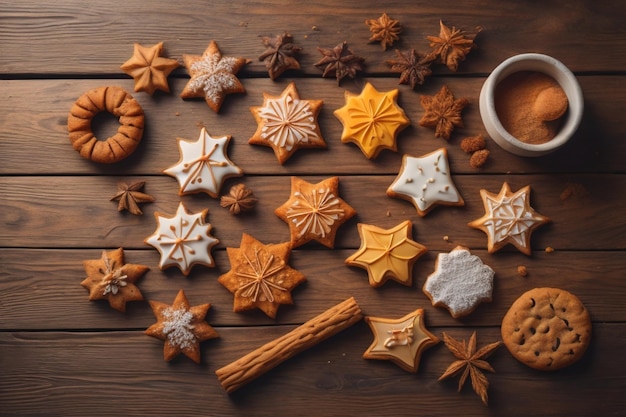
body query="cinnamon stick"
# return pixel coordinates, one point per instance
(259, 361)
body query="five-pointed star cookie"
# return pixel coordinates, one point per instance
(401, 341)
(203, 165)
(149, 69)
(426, 182)
(260, 276)
(181, 327)
(183, 240)
(508, 218)
(109, 278)
(287, 123)
(387, 253)
(213, 76)
(372, 120)
(314, 211)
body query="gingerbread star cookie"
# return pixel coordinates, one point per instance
(508, 218)
(401, 341)
(183, 240)
(213, 76)
(181, 327)
(387, 253)
(460, 282)
(260, 276)
(314, 211)
(287, 123)
(203, 165)
(426, 182)
(372, 120)
(149, 69)
(109, 278)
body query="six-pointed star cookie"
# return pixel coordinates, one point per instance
(213, 76)
(508, 218)
(387, 253)
(401, 341)
(203, 165)
(109, 278)
(287, 123)
(260, 276)
(181, 327)
(314, 211)
(460, 282)
(183, 240)
(149, 69)
(426, 182)
(372, 120)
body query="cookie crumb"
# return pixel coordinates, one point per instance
(314, 28)
(388, 214)
(446, 238)
(473, 143)
(522, 270)
(177, 114)
(479, 158)
(549, 249)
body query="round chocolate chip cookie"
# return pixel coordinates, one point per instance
(547, 329)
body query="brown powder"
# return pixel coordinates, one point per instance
(530, 106)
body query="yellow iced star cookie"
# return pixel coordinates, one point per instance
(372, 120)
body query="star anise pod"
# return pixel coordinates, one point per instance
(452, 45)
(129, 197)
(472, 363)
(280, 54)
(340, 60)
(240, 198)
(384, 30)
(442, 112)
(412, 66)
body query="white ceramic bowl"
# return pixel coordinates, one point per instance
(538, 63)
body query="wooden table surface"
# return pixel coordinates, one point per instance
(62, 355)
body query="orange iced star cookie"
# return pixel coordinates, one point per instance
(260, 276)
(314, 211)
(387, 253)
(372, 120)
(149, 69)
(401, 341)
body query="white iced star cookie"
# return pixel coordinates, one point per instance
(183, 240)
(426, 182)
(460, 282)
(203, 165)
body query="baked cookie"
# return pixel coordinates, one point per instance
(442, 112)
(547, 329)
(460, 282)
(181, 327)
(426, 182)
(387, 253)
(119, 103)
(149, 69)
(109, 278)
(287, 123)
(314, 211)
(281, 54)
(372, 120)
(203, 165)
(508, 218)
(259, 276)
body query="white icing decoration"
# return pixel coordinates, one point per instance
(509, 217)
(287, 121)
(315, 213)
(178, 327)
(213, 74)
(257, 280)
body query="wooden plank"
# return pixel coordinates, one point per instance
(40, 289)
(93, 374)
(60, 36)
(34, 129)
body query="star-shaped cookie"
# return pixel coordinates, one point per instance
(442, 112)
(109, 278)
(508, 218)
(181, 327)
(372, 120)
(287, 123)
(387, 253)
(401, 341)
(314, 211)
(213, 76)
(183, 240)
(460, 282)
(426, 182)
(203, 165)
(149, 69)
(260, 276)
